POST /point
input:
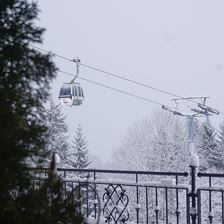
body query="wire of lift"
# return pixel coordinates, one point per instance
(114, 89)
(203, 109)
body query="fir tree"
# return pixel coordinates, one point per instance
(221, 142)
(79, 151)
(25, 76)
(79, 160)
(209, 153)
(57, 134)
(24, 85)
(55, 208)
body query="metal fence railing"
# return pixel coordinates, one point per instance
(121, 196)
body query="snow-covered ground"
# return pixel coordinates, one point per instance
(91, 220)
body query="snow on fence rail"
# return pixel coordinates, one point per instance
(146, 197)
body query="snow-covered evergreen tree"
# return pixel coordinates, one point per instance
(78, 157)
(208, 150)
(220, 136)
(169, 142)
(57, 135)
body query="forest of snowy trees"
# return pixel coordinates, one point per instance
(159, 142)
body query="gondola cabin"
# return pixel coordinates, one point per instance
(71, 94)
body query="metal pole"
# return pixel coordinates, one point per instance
(193, 195)
(190, 130)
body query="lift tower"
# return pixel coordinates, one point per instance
(201, 110)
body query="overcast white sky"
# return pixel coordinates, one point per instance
(177, 46)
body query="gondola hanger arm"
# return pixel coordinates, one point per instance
(77, 61)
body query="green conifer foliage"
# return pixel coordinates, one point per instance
(52, 202)
(25, 76)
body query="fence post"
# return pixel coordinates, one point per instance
(194, 163)
(193, 195)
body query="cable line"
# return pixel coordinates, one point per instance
(108, 73)
(51, 52)
(117, 76)
(114, 89)
(126, 93)
(129, 80)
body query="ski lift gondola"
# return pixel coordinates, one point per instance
(71, 94)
